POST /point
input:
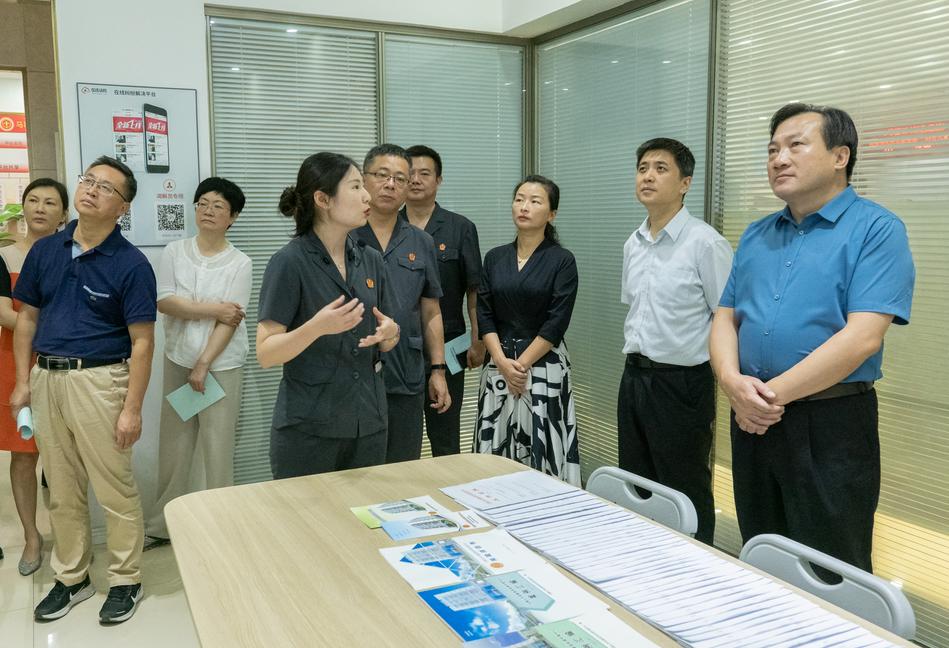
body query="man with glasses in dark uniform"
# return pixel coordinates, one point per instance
(89, 306)
(459, 267)
(409, 254)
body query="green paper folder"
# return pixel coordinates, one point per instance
(187, 402)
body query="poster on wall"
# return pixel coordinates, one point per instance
(14, 159)
(155, 132)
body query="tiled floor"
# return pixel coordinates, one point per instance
(162, 619)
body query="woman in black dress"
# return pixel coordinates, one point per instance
(321, 316)
(528, 288)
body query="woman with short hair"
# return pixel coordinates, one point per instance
(204, 286)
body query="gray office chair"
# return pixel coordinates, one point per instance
(868, 596)
(666, 505)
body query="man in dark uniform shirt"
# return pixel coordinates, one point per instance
(409, 254)
(459, 269)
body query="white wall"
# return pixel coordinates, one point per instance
(468, 15)
(530, 18)
(11, 91)
(126, 42)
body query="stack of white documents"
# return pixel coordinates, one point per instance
(689, 592)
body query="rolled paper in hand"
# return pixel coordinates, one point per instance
(24, 423)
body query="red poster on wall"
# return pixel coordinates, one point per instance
(13, 156)
(12, 122)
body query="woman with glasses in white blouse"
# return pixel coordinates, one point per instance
(204, 286)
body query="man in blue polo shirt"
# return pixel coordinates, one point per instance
(89, 314)
(798, 341)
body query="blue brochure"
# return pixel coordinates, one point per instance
(453, 347)
(474, 610)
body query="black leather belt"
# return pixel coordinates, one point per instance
(641, 361)
(57, 363)
(838, 390)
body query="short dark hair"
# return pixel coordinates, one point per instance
(838, 128)
(683, 156)
(228, 190)
(319, 172)
(553, 198)
(131, 185)
(55, 184)
(385, 149)
(420, 150)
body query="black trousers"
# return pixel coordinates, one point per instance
(405, 427)
(444, 430)
(813, 477)
(295, 452)
(664, 420)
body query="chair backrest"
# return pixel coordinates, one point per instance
(666, 505)
(860, 592)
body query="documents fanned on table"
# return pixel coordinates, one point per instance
(493, 591)
(693, 595)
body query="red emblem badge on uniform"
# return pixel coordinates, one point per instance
(411, 256)
(370, 283)
(441, 247)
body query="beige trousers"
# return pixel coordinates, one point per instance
(74, 415)
(212, 430)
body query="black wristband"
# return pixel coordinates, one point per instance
(438, 366)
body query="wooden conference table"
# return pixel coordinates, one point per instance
(286, 563)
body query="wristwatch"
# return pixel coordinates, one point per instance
(439, 366)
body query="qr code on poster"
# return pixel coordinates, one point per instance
(171, 217)
(125, 223)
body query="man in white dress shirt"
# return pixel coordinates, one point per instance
(674, 270)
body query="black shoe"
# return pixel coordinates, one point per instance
(120, 604)
(61, 599)
(153, 542)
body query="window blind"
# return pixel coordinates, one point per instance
(278, 96)
(601, 92)
(885, 62)
(465, 100)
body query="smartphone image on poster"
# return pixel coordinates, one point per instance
(156, 139)
(128, 138)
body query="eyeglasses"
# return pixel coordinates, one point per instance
(384, 177)
(88, 182)
(213, 208)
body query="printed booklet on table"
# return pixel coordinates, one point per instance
(416, 517)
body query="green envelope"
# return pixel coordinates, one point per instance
(187, 402)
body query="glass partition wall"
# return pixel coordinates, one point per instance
(284, 90)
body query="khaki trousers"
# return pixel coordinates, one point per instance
(74, 413)
(213, 430)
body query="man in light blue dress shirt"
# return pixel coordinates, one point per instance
(797, 341)
(674, 269)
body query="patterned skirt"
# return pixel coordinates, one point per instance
(539, 429)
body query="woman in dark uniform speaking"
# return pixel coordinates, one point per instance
(321, 316)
